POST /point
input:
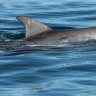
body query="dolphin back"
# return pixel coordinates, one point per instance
(33, 27)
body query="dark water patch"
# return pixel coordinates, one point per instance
(85, 68)
(86, 82)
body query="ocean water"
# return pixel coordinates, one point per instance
(68, 70)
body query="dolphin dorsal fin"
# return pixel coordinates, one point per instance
(32, 27)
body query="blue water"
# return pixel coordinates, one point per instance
(44, 71)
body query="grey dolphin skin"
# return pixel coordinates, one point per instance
(40, 34)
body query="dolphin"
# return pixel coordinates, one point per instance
(40, 34)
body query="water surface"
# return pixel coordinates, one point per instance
(68, 70)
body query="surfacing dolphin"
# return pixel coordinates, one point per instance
(40, 34)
